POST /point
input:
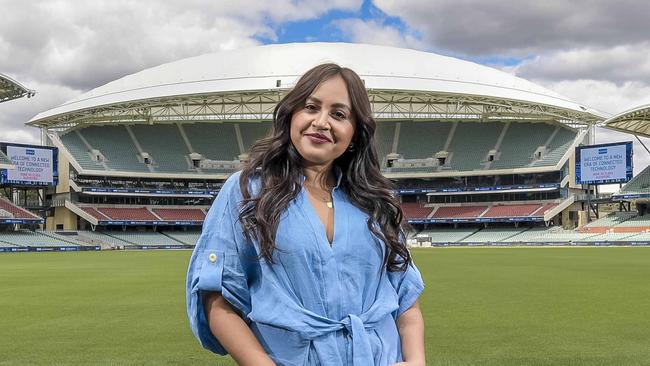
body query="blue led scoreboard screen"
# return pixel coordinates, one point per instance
(32, 165)
(604, 164)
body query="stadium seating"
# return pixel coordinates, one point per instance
(557, 147)
(414, 169)
(458, 212)
(492, 235)
(639, 184)
(143, 238)
(252, 131)
(179, 214)
(5, 244)
(165, 145)
(185, 237)
(215, 141)
(527, 235)
(70, 237)
(150, 213)
(130, 213)
(638, 237)
(511, 210)
(418, 140)
(612, 219)
(610, 237)
(554, 236)
(96, 214)
(471, 143)
(447, 235)
(384, 136)
(116, 145)
(80, 151)
(100, 238)
(15, 211)
(636, 221)
(546, 207)
(505, 235)
(520, 142)
(414, 210)
(25, 238)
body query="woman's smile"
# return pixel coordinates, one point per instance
(318, 138)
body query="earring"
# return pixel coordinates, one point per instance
(351, 147)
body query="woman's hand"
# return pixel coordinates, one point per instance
(408, 364)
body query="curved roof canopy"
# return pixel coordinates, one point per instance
(247, 83)
(11, 89)
(635, 121)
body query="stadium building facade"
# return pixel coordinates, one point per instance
(468, 146)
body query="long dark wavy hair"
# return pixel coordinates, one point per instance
(279, 165)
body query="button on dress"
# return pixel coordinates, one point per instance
(317, 304)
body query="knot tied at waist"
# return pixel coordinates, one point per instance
(319, 329)
(361, 350)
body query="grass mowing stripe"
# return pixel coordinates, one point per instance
(482, 306)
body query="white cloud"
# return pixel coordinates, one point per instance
(602, 95)
(619, 64)
(375, 32)
(521, 28)
(83, 44)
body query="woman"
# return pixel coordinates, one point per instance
(302, 259)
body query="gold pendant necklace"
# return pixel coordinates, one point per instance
(328, 202)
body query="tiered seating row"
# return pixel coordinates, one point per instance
(469, 144)
(413, 210)
(142, 238)
(180, 214)
(135, 214)
(512, 235)
(459, 212)
(511, 210)
(417, 211)
(94, 213)
(139, 238)
(186, 237)
(144, 213)
(15, 211)
(640, 184)
(25, 238)
(619, 222)
(612, 219)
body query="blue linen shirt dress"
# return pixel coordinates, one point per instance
(317, 304)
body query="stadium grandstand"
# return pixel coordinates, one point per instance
(477, 155)
(631, 223)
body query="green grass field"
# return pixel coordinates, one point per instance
(482, 306)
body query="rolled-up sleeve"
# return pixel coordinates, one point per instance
(215, 265)
(408, 285)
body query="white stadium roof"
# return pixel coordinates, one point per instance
(635, 121)
(258, 75)
(11, 89)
